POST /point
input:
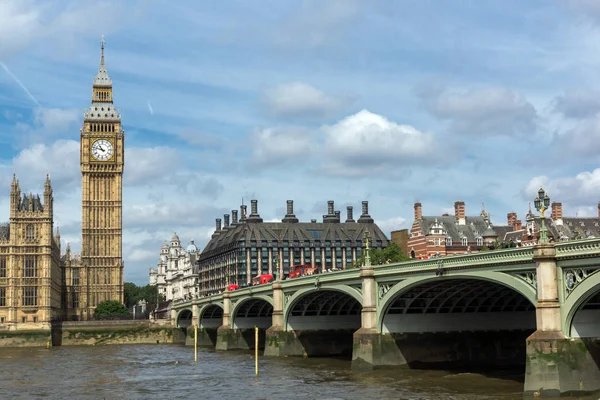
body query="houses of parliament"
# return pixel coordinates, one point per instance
(38, 284)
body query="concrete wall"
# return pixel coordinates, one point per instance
(586, 324)
(246, 323)
(323, 322)
(472, 322)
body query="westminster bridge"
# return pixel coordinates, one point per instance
(536, 307)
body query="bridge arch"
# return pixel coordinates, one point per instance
(210, 315)
(577, 300)
(184, 318)
(322, 301)
(252, 311)
(503, 283)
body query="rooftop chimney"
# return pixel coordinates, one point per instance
(518, 225)
(511, 218)
(234, 217)
(459, 213)
(218, 224)
(243, 214)
(556, 214)
(337, 216)
(349, 217)
(313, 221)
(289, 215)
(418, 211)
(330, 216)
(365, 217)
(254, 217)
(226, 219)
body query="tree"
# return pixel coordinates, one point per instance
(110, 309)
(133, 293)
(390, 254)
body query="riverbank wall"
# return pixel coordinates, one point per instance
(82, 333)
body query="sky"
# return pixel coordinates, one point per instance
(388, 101)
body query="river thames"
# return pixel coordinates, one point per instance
(169, 372)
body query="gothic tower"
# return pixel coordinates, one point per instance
(102, 160)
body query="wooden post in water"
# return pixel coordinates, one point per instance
(256, 349)
(196, 343)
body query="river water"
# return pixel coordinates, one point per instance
(169, 372)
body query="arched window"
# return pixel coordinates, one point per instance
(29, 232)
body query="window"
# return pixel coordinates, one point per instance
(23, 319)
(75, 300)
(2, 297)
(2, 267)
(30, 268)
(448, 241)
(30, 296)
(479, 241)
(2, 320)
(35, 319)
(75, 277)
(436, 241)
(29, 232)
(463, 241)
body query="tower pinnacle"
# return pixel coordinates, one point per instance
(102, 78)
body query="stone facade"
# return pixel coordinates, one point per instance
(249, 247)
(176, 276)
(30, 273)
(97, 274)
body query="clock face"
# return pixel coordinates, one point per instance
(102, 150)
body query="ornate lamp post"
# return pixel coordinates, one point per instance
(542, 202)
(366, 237)
(278, 267)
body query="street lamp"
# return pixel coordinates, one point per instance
(542, 202)
(366, 237)
(277, 266)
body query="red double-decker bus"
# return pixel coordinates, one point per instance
(302, 269)
(262, 279)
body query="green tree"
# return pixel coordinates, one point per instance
(130, 293)
(390, 254)
(133, 293)
(110, 308)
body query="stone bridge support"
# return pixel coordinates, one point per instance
(225, 335)
(371, 348)
(556, 365)
(279, 341)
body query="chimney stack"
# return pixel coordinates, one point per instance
(518, 225)
(313, 221)
(254, 217)
(556, 211)
(330, 207)
(289, 216)
(337, 216)
(234, 217)
(218, 224)
(244, 215)
(459, 212)
(349, 216)
(226, 219)
(511, 218)
(330, 216)
(365, 217)
(418, 211)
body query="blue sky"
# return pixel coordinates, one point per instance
(387, 101)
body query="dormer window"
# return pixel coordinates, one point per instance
(464, 241)
(479, 241)
(448, 241)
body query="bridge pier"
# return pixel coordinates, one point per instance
(278, 341)
(556, 365)
(372, 349)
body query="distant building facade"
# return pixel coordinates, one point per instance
(30, 272)
(454, 234)
(248, 247)
(176, 276)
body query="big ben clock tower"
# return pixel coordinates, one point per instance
(102, 161)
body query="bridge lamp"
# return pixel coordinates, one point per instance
(542, 202)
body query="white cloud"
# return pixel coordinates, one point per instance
(47, 124)
(145, 165)
(484, 111)
(366, 143)
(279, 145)
(297, 99)
(392, 224)
(582, 139)
(580, 190)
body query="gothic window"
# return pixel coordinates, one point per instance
(29, 232)
(30, 267)
(75, 300)
(2, 297)
(75, 277)
(2, 267)
(30, 296)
